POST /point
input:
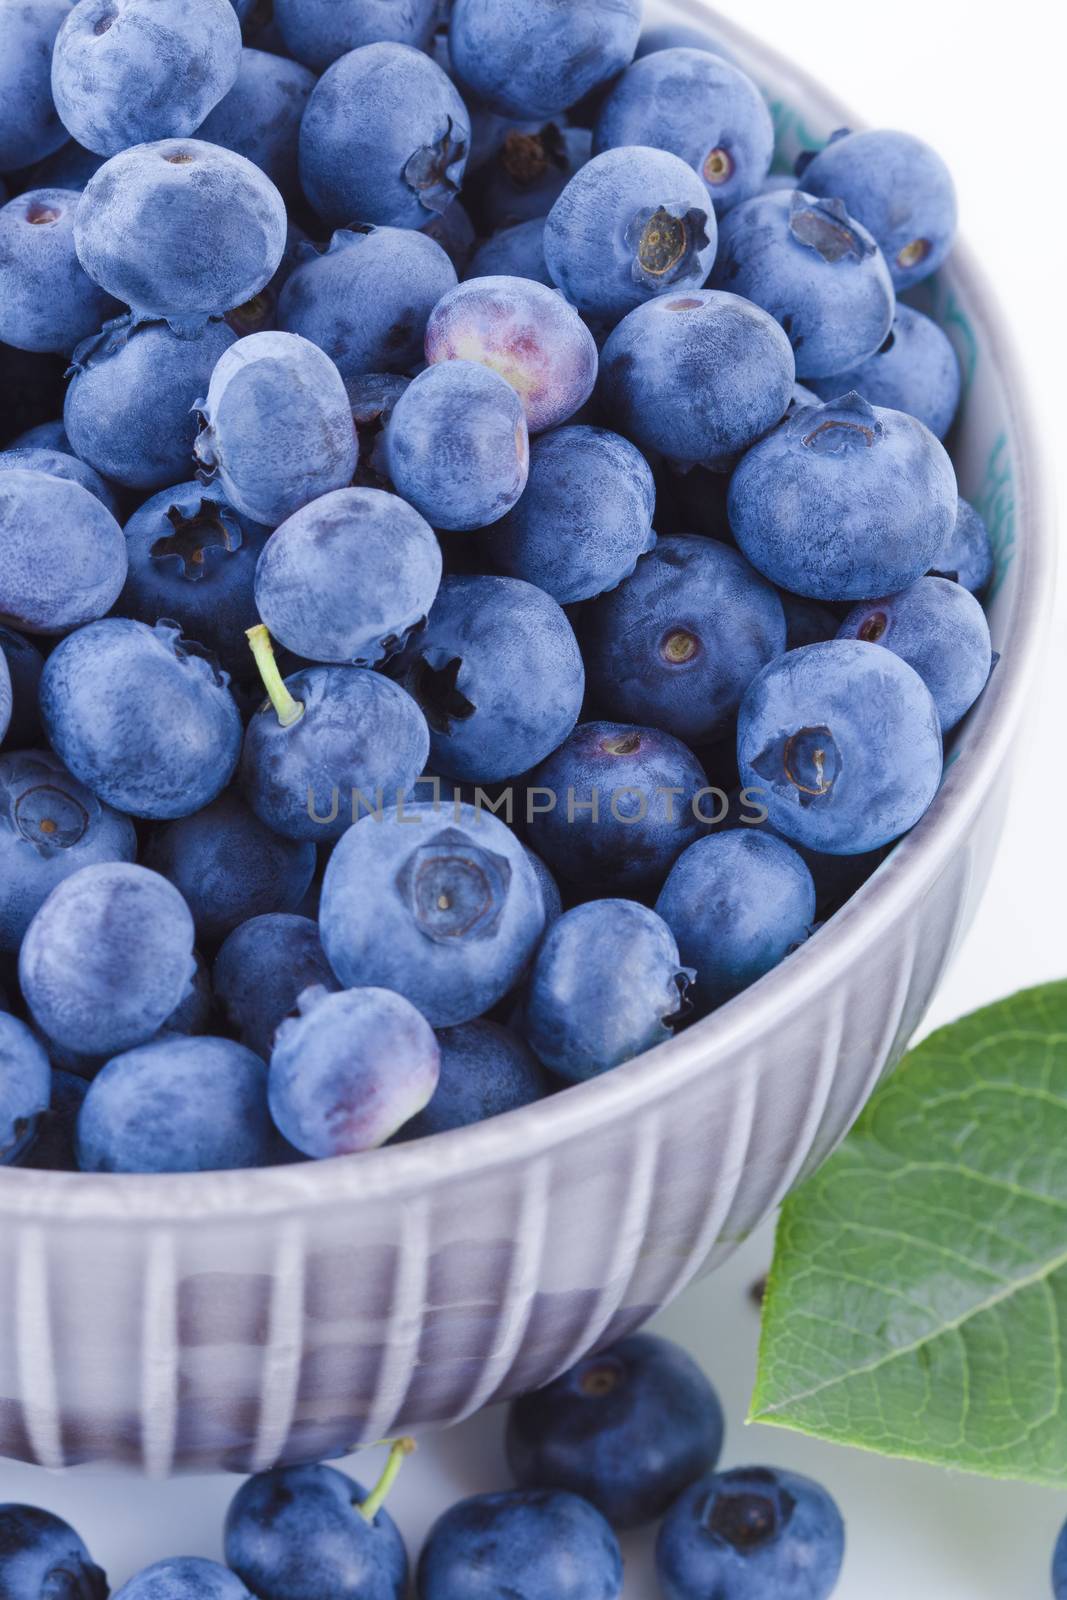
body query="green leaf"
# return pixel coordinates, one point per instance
(917, 1305)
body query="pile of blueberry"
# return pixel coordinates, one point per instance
(626, 1438)
(371, 766)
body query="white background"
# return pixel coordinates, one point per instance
(984, 83)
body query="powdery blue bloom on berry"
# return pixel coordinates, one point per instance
(517, 252)
(107, 958)
(967, 554)
(538, 58)
(45, 436)
(346, 579)
(737, 903)
(678, 643)
(366, 299)
(627, 1429)
(357, 745)
(842, 741)
(56, 463)
(544, 1544)
(128, 71)
(697, 105)
(47, 301)
(209, 230)
(184, 1578)
(631, 224)
(457, 445)
(262, 969)
(697, 377)
(498, 673)
(525, 332)
(615, 805)
(899, 189)
(607, 984)
(130, 402)
(916, 370)
(384, 139)
(349, 1070)
(142, 716)
(192, 558)
(485, 1071)
(939, 628)
(260, 116)
(25, 1091)
(749, 1533)
(30, 127)
(441, 906)
(298, 1533)
(62, 555)
(50, 827)
(585, 518)
(817, 272)
(844, 501)
(39, 1549)
(278, 429)
(317, 32)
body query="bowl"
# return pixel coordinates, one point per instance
(238, 1320)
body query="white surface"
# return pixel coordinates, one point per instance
(984, 86)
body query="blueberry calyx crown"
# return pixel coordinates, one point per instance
(806, 763)
(718, 166)
(196, 656)
(455, 889)
(826, 227)
(194, 536)
(50, 818)
(434, 686)
(848, 423)
(434, 170)
(666, 241)
(526, 157)
(745, 1519)
(600, 1376)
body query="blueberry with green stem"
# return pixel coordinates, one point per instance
(331, 744)
(300, 1533)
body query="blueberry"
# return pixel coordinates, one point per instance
(842, 742)
(454, 231)
(613, 807)
(697, 377)
(585, 518)
(318, 31)
(62, 555)
(129, 406)
(45, 436)
(677, 644)
(384, 139)
(540, 1544)
(818, 272)
(59, 464)
(260, 116)
(1059, 1566)
(899, 189)
(52, 1148)
(209, 227)
(47, 301)
(916, 370)
(301, 1533)
(607, 984)
(69, 167)
(967, 553)
(331, 744)
(517, 252)
(844, 501)
(21, 664)
(525, 332)
(485, 1072)
(184, 1578)
(457, 445)
(177, 1105)
(939, 628)
(141, 717)
(346, 579)
(631, 224)
(807, 621)
(536, 58)
(698, 106)
(128, 71)
(29, 123)
(192, 558)
(25, 1091)
(498, 674)
(627, 1429)
(262, 969)
(367, 298)
(442, 907)
(50, 827)
(229, 866)
(40, 1555)
(107, 958)
(528, 172)
(737, 903)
